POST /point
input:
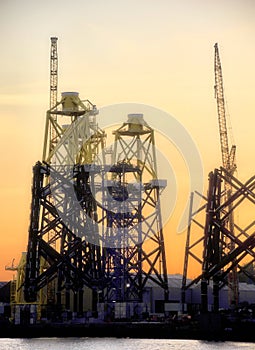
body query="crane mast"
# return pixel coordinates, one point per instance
(53, 84)
(219, 94)
(228, 162)
(53, 72)
(228, 157)
(53, 141)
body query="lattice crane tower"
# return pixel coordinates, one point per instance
(53, 84)
(228, 162)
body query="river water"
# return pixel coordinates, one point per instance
(118, 344)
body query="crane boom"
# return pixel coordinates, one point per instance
(53, 141)
(228, 162)
(219, 94)
(53, 72)
(53, 86)
(228, 157)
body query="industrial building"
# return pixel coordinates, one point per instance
(152, 307)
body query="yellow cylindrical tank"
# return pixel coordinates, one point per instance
(70, 101)
(135, 122)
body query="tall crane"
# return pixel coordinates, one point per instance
(53, 141)
(53, 83)
(228, 157)
(228, 162)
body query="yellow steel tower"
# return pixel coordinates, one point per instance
(72, 137)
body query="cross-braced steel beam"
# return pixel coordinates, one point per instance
(74, 262)
(132, 215)
(223, 251)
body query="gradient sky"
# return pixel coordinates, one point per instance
(158, 53)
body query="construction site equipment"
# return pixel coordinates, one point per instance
(228, 162)
(228, 157)
(53, 72)
(45, 296)
(215, 244)
(51, 286)
(216, 260)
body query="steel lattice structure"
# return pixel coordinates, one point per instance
(53, 72)
(132, 215)
(228, 162)
(51, 286)
(70, 261)
(90, 248)
(73, 263)
(220, 258)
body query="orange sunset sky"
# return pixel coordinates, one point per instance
(158, 53)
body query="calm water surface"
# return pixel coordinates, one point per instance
(118, 344)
